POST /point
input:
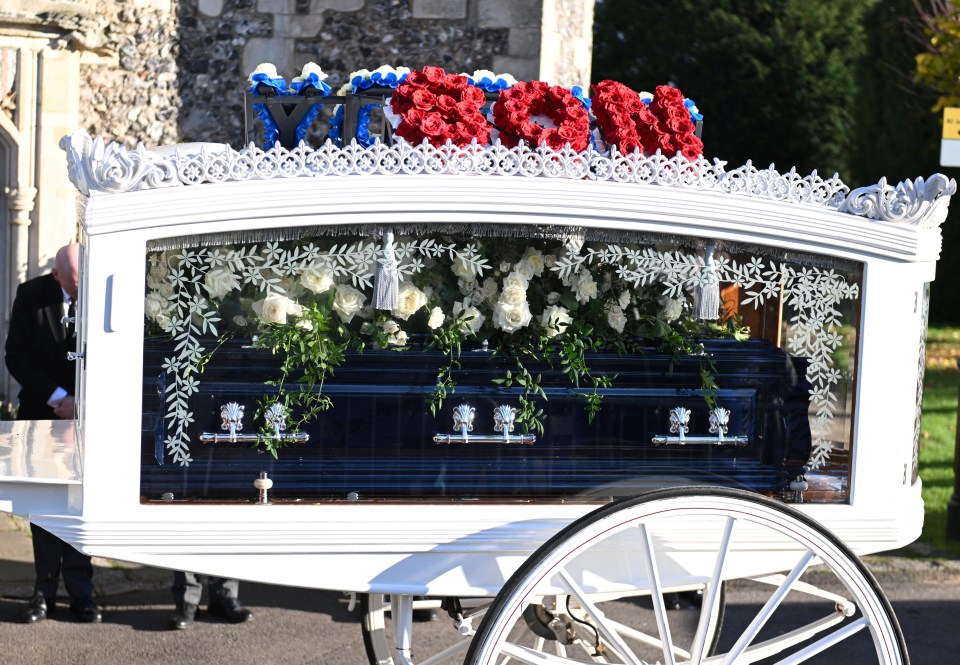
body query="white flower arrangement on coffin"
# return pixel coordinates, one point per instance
(307, 301)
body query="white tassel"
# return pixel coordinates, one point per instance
(386, 284)
(706, 296)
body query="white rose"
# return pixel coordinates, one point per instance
(347, 301)
(553, 298)
(472, 318)
(624, 300)
(275, 308)
(219, 282)
(409, 300)
(535, 258)
(525, 268)
(585, 287)
(159, 270)
(513, 296)
(490, 290)
(304, 324)
(318, 280)
(504, 266)
(463, 269)
(517, 279)
(670, 308)
(155, 305)
(555, 319)
(550, 260)
(240, 321)
(466, 286)
(390, 327)
(616, 317)
(511, 318)
(166, 290)
(436, 318)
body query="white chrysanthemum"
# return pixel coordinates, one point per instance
(555, 319)
(275, 308)
(670, 308)
(436, 318)
(409, 300)
(312, 68)
(316, 279)
(347, 302)
(615, 317)
(267, 68)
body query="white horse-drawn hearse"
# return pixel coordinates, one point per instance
(554, 389)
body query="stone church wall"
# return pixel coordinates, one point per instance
(180, 66)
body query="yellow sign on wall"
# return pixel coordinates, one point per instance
(951, 123)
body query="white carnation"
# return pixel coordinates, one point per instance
(267, 68)
(409, 300)
(555, 319)
(436, 318)
(615, 317)
(347, 302)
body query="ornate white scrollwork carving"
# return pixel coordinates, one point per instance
(917, 202)
(99, 167)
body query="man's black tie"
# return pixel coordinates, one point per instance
(71, 320)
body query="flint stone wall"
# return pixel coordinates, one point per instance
(175, 70)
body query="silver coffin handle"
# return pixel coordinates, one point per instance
(503, 418)
(231, 415)
(680, 425)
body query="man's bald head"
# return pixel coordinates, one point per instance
(66, 268)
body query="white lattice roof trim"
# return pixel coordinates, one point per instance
(110, 168)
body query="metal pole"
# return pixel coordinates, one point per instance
(953, 505)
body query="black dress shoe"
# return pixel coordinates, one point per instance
(230, 609)
(37, 609)
(182, 617)
(86, 610)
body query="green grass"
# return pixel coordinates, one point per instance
(938, 434)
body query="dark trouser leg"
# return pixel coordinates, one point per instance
(77, 573)
(221, 587)
(187, 588)
(47, 552)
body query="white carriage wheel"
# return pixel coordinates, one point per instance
(677, 537)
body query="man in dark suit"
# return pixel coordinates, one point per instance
(38, 341)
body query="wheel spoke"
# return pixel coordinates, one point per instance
(659, 609)
(603, 626)
(825, 642)
(767, 610)
(711, 595)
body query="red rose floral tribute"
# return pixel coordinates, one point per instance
(541, 114)
(628, 123)
(438, 107)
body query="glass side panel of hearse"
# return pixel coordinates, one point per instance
(501, 364)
